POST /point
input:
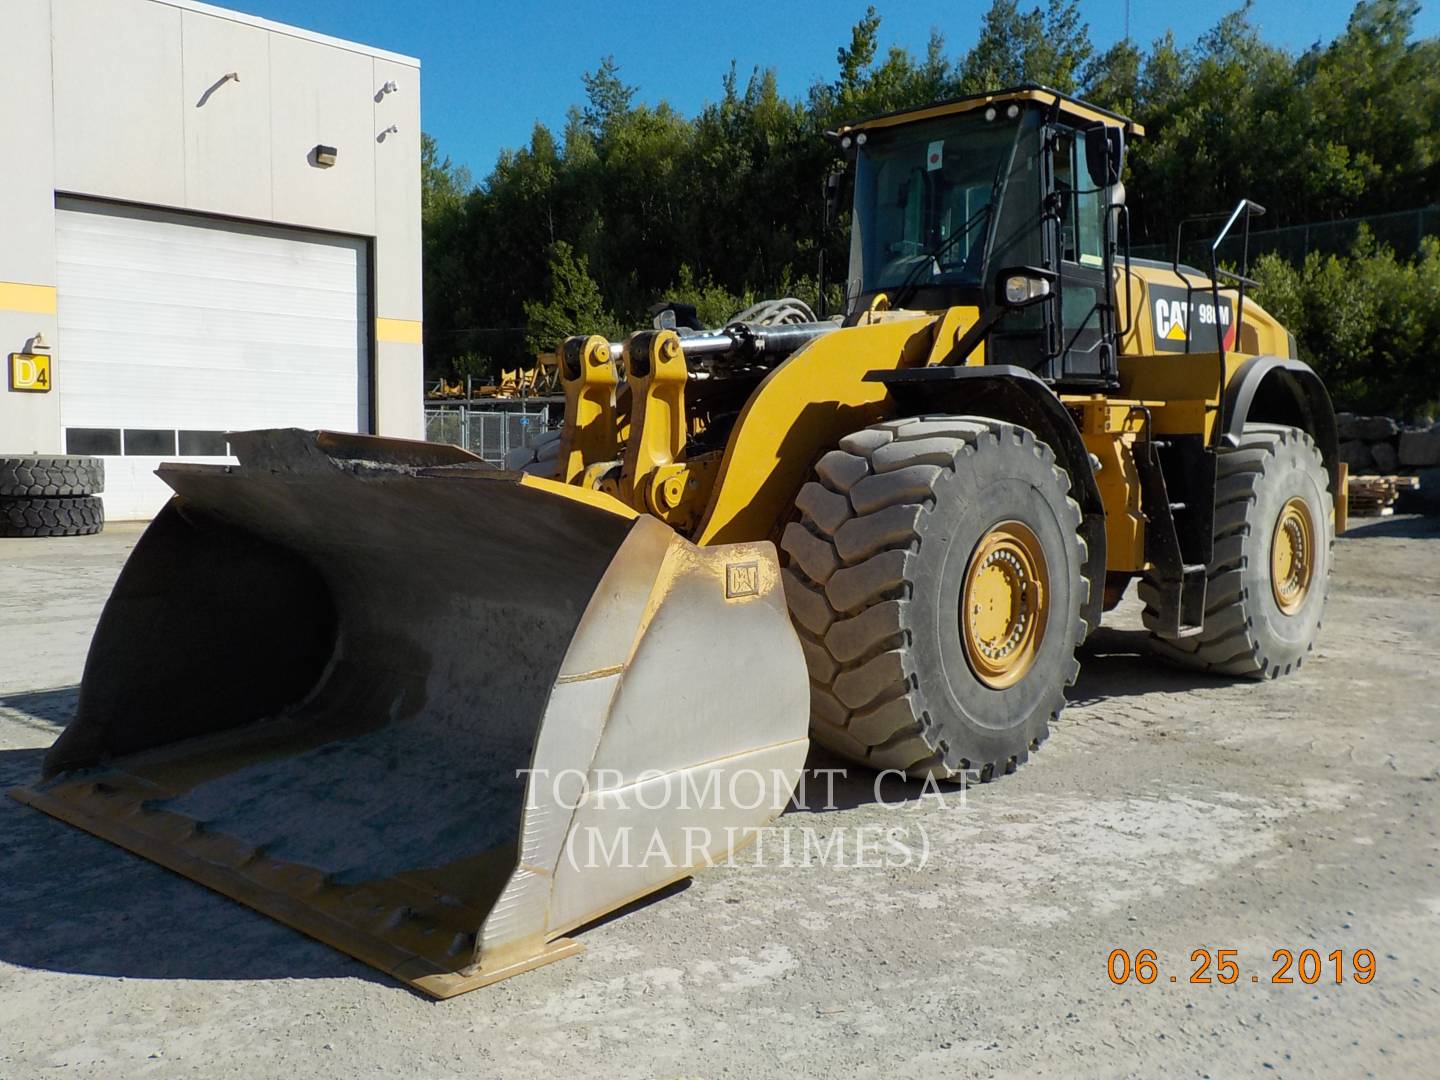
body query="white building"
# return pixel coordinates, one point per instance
(208, 222)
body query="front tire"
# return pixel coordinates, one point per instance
(935, 579)
(1267, 579)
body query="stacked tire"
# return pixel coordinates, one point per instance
(51, 496)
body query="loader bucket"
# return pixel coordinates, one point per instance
(323, 675)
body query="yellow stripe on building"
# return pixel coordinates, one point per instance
(398, 331)
(34, 299)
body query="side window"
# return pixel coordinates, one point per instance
(1081, 209)
(1064, 150)
(1089, 221)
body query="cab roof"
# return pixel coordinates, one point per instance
(1067, 107)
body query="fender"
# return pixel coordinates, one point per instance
(802, 408)
(1017, 395)
(1276, 390)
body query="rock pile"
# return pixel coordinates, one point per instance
(1378, 445)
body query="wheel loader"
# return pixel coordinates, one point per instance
(889, 531)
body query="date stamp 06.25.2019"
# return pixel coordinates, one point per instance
(1209, 967)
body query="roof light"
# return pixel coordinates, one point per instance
(1013, 111)
(990, 113)
(845, 143)
(860, 139)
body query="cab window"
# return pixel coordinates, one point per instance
(924, 196)
(1080, 204)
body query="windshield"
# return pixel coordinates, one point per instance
(923, 200)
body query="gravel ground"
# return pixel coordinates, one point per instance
(1167, 811)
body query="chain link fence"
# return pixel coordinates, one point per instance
(1401, 231)
(488, 432)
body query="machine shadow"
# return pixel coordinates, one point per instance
(43, 710)
(1113, 663)
(1400, 527)
(1118, 663)
(831, 782)
(72, 903)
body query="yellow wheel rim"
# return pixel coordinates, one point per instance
(1002, 614)
(1292, 555)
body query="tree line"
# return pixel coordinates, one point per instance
(583, 229)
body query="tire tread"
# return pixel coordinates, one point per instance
(1227, 644)
(853, 550)
(60, 476)
(80, 516)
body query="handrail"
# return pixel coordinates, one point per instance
(1129, 299)
(1250, 209)
(1247, 208)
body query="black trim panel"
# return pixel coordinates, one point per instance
(1282, 391)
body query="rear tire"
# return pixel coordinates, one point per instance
(51, 517)
(1274, 529)
(902, 520)
(51, 477)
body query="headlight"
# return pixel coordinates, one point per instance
(1020, 289)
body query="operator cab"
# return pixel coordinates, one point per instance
(951, 197)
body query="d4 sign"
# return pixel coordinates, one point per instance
(30, 373)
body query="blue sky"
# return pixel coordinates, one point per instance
(491, 70)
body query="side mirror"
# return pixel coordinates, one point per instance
(1022, 286)
(833, 184)
(1105, 154)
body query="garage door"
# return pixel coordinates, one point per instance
(175, 329)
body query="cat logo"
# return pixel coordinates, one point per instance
(742, 579)
(1188, 322)
(1170, 318)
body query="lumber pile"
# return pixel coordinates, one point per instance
(1374, 496)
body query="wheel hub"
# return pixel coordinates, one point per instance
(1292, 555)
(1003, 605)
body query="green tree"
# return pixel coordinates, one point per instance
(1112, 78)
(1369, 103)
(727, 204)
(573, 303)
(854, 60)
(444, 187)
(443, 184)
(1366, 321)
(608, 98)
(1050, 47)
(714, 304)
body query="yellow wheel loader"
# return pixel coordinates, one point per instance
(889, 531)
